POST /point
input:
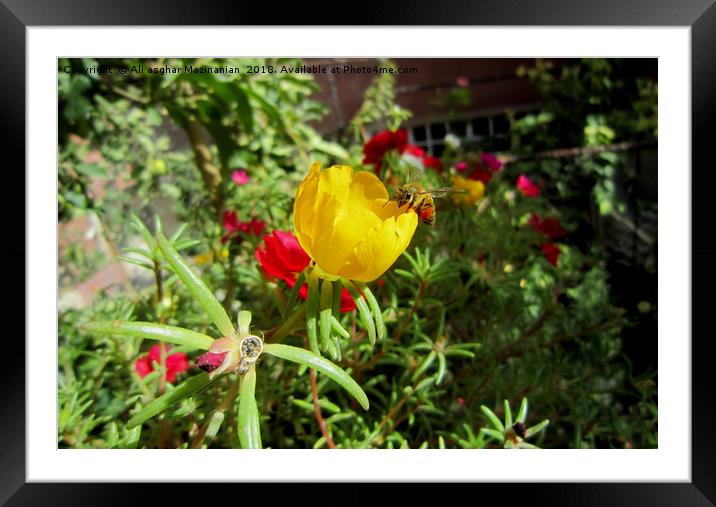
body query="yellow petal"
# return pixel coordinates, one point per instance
(304, 206)
(382, 247)
(346, 224)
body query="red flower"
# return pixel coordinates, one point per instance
(254, 226)
(527, 187)
(175, 363)
(419, 153)
(383, 141)
(433, 163)
(491, 161)
(550, 227)
(551, 253)
(412, 149)
(378, 145)
(284, 258)
(483, 170)
(481, 174)
(234, 227)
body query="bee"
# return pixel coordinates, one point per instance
(415, 197)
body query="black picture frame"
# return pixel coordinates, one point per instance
(17, 15)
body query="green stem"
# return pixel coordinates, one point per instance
(248, 417)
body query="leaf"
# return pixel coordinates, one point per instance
(161, 332)
(425, 364)
(243, 108)
(508, 414)
(332, 149)
(215, 420)
(197, 287)
(248, 414)
(326, 306)
(91, 169)
(536, 428)
(177, 234)
(442, 367)
(338, 328)
(459, 353)
(212, 119)
(136, 262)
(142, 229)
(321, 364)
(494, 434)
(522, 412)
(139, 251)
(244, 321)
(493, 418)
(183, 390)
(312, 301)
(267, 107)
(374, 308)
(132, 438)
(366, 317)
(186, 243)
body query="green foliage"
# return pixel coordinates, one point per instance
(588, 103)
(469, 322)
(379, 109)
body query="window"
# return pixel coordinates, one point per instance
(490, 132)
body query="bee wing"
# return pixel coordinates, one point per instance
(442, 192)
(414, 175)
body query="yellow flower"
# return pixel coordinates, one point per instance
(208, 257)
(343, 223)
(204, 258)
(475, 190)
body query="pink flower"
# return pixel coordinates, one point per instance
(527, 187)
(491, 161)
(551, 253)
(240, 177)
(463, 82)
(174, 363)
(461, 166)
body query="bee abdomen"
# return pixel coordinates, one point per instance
(427, 215)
